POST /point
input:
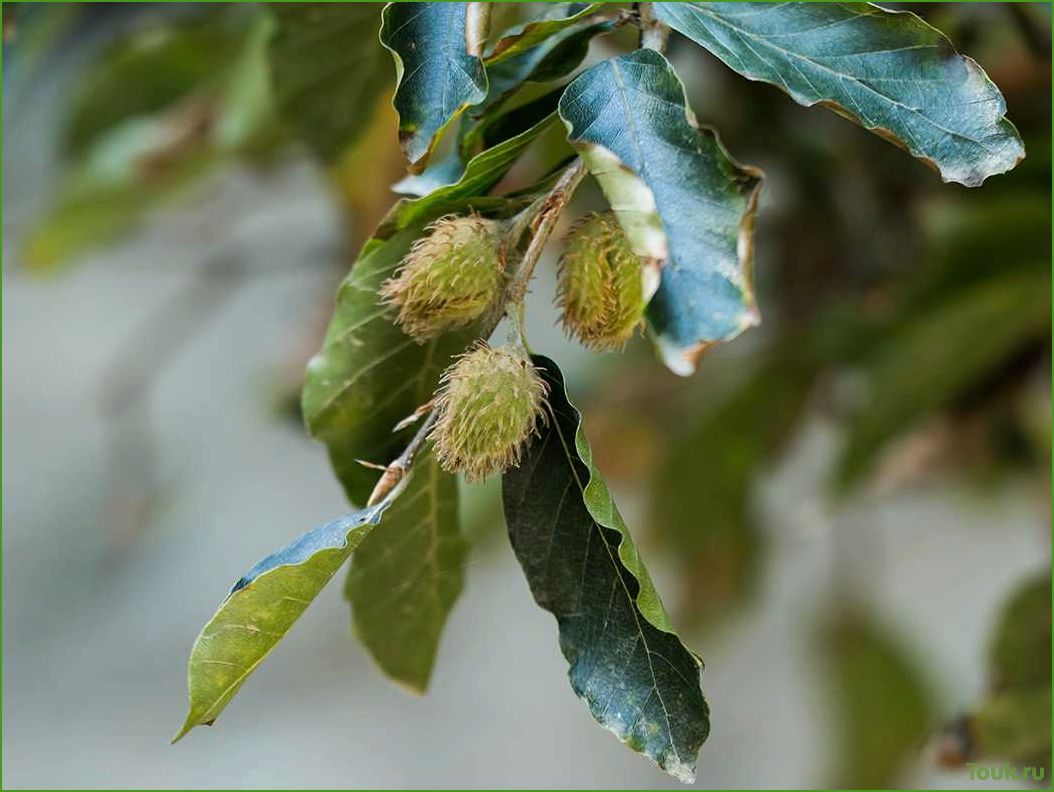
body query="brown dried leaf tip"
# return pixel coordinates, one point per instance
(600, 289)
(490, 401)
(449, 278)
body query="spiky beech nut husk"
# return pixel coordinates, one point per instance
(600, 289)
(449, 277)
(490, 401)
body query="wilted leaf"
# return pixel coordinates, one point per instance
(684, 203)
(437, 76)
(887, 71)
(881, 708)
(407, 574)
(262, 607)
(327, 68)
(626, 662)
(939, 355)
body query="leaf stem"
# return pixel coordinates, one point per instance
(542, 227)
(396, 470)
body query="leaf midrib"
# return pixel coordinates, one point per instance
(766, 42)
(616, 564)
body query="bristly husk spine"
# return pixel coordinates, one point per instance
(600, 284)
(449, 278)
(490, 401)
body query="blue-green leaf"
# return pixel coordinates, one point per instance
(437, 74)
(686, 206)
(888, 71)
(263, 606)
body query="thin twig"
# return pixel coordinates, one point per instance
(542, 228)
(397, 469)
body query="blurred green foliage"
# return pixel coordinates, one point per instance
(880, 702)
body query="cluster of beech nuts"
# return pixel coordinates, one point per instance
(491, 399)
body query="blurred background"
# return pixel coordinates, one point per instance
(847, 510)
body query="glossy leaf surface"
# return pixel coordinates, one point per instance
(626, 662)
(684, 204)
(889, 72)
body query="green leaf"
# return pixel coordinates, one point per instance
(437, 76)
(626, 662)
(324, 87)
(939, 356)
(684, 204)
(1021, 650)
(888, 71)
(482, 172)
(406, 576)
(551, 59)
(881, 710)
(555, 20)
(369, 375)
(262, 607)
(1015, 725)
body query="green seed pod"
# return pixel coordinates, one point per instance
(600, 288)
(449, 278)
(490, 401)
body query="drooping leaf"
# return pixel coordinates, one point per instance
(684, 204)
(937, 357)
(626, 662)
(324, 86)
(888, 71)
(702, 500)
(262, 607)
(881, 709)
(556, 18)
(407, 574)
(437, 76)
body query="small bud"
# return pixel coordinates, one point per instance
(600, 286)
(449, 278)
(489, 403)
